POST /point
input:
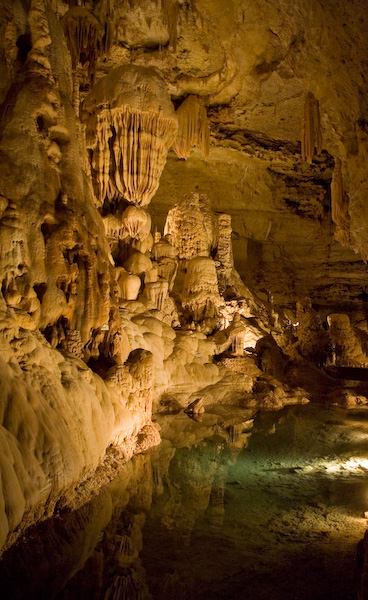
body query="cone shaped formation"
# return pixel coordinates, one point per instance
(311, 130)
(193, 128)
(339, 206)
(84, 35)
(130, 126)
(170, 10)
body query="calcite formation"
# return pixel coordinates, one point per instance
(311, 132)
(84, 35)
(192, 226)
(130, 125)
(193, 127)
(200, 293)
(246, 255)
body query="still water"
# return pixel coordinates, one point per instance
(224, 508)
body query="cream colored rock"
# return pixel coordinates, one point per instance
(138, 264)
(157, 292)
(129, 285)
(200, 292)
(137, 223)
(130, 126)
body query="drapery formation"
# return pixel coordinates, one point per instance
(130, 126)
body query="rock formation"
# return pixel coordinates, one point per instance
(108, 309)
(130, 125)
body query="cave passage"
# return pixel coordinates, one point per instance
(224, 508)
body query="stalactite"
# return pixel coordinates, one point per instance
(84, 35)
(311, 130)
(130, 126)
(193, 127)
(170, 10)
(339, 206)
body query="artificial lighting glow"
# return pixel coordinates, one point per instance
(352, 465)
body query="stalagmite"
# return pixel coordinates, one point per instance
(200, 293)
(237, 335)
(339, 206)
(224, 253)
(311, 130)
(130, 126)
(192, 226)
(193, 127)
(128, 284)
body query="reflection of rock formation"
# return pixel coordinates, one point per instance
(93, 551)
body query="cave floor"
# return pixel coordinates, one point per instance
(212, 515)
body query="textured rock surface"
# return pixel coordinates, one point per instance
(90, 295)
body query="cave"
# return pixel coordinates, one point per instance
(183, 299)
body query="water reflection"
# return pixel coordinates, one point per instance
(213, 513)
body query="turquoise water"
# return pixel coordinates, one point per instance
(223, 509)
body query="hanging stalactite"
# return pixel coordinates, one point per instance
(84, 35)
(311, 130)
(339, 206)
(193, 127)
(170, 9)
(130, 126)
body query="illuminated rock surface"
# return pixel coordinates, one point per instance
(183, 225)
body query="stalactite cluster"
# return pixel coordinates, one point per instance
(84, 35)
(193, 127)
(311, 130)
(130, 126)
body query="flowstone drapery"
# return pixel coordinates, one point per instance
(193, 127)
(130, 126)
